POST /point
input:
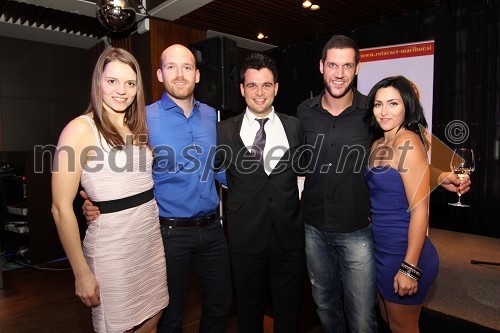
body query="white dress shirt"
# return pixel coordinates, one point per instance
(276, 140)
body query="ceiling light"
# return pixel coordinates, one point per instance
(261, 36)
(314, 7)
(306, 4)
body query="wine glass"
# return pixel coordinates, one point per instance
(462, 164)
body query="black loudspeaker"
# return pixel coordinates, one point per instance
(217, 61)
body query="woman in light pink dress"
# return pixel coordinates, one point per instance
(120, 271)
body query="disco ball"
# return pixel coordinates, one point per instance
(116, 15)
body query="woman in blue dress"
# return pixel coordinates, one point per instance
(398, 176)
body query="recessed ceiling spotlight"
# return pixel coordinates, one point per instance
(261, 36)
(306, 4)
(314, 7)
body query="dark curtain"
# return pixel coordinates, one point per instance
(466, 89)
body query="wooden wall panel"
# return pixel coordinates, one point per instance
(124, 43)
(164, 34)
(141, 44)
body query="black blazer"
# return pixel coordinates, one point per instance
(258, 202)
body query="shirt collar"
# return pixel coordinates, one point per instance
(167, 103)
(358, 102)
(250, 117)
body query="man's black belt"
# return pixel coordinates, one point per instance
(112, 206)
(188, 221)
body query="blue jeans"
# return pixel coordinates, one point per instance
(342, 266)
(205, 250)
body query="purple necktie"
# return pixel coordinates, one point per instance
(260, 141)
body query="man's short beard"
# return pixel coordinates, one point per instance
(173, 94)
(328, 89)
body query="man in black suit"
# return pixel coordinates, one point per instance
(265, 228)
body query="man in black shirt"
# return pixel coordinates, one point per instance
(336, 209)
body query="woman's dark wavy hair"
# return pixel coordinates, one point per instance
(414, 112)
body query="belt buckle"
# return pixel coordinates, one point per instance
(199, 222)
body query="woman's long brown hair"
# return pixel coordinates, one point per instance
(135, 115)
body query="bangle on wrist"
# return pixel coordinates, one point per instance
(410, 270)
(409, 275)
(410, 266)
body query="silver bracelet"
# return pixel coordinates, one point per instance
(408, 274)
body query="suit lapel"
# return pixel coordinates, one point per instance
(239, 149)
(291, 136)
(291, 133)
(236, 128)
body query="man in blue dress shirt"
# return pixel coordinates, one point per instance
(182, 133)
